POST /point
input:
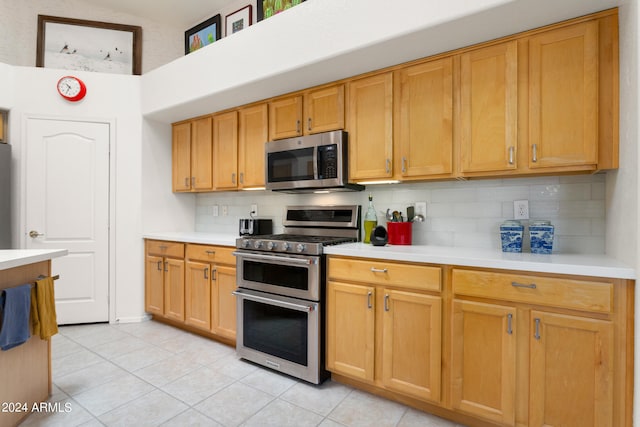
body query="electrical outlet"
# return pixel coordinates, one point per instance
(254, 209)
(520, 209)
(421, 209)
(216, 211)
(225, 210)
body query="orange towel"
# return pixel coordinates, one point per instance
(46, 308)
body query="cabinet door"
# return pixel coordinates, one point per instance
(489, 108)
(483, 369)
(350, 330)
(571, 368)
(371, 127)
(425, 119)
(563, 91)
(202, 154)
(174, 289)
(181, 156)
(154, 287)
(225, 151)
(324, 109)
(223, 302)
(285, 117)
(198, 295)
(411, 343)
(252, 139)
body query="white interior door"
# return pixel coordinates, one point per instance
(67, 206)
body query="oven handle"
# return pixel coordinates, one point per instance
(280, 259)
(284, 304)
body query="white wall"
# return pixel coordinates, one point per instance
(110, 98)
(19, 25)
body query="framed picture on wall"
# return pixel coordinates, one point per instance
(237, 20)
(202, 34)
(77, 44)
(268, 8)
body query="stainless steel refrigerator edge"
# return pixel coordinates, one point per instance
(5, 196)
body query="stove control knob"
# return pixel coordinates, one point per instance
(300, 247)
(286, 246)
(257, 244)
(270, 246)
(246, 243)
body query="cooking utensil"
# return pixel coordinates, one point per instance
(389, 215)
(418, 218)
(410, 213)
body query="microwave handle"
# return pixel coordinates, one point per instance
(316, 158)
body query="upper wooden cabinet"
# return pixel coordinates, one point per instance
(252, 137)
(193, 155)
(225, 151)
(313, 111)
(423, 119)
(563, 97)
(370, 127)
(488, 114)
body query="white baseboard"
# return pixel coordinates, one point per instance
(136, 319)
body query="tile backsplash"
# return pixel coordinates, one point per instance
(459, 213)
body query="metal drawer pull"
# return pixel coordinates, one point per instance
(386, 302)
(159, 265)
(535, 153)
(522, 285)
(511, 151)
(537, 333)
(369, 294)
(206, 270)
(211, 252)
(377, 270)
(509, 323)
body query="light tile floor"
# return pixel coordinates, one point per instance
(151, 374)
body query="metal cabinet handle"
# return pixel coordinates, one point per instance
(214, 274)
(309, 123)
(33, 234)
(386, 302)
(206, 270)
(297, 126)
(377, 270)
(233, 178)
(369, 295)
(535, 153)
(193, 182)
(241, 177)
(511, 155)
(211, 252)
(537, 332)
(186, 182)
(388, 166)
(404, 165)
(160, 265)
(522, 285)
(509, 323)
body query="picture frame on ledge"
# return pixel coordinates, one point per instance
(267, 8)
(202, 34)
(78, 44)
(238, 20)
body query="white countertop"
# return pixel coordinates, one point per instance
(10, 258)
(575, 264)
(222, 239)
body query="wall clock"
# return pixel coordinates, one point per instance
(71, 88)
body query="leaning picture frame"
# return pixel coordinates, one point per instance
(78, 44)
(238, 20)
(202, 34)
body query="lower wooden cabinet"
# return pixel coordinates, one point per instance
(390, 337)
(483, 347)
(195, 289)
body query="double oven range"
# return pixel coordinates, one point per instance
(281, 289)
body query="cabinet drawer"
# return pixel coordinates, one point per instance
(217, 254)
(531, 289)
(162, 248)
(381, 272)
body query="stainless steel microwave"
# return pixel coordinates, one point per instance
(309, 163)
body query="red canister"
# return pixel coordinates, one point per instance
(399, 233)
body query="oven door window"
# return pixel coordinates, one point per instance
(288, 276)
(277, 331)
(291, 165)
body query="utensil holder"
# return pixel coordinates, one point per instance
(399, 233)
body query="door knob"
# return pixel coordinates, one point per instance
(33, 234)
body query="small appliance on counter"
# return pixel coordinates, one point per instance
(255, 226)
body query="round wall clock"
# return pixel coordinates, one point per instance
(71, 88)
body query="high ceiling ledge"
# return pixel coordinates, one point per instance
(321, 41)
